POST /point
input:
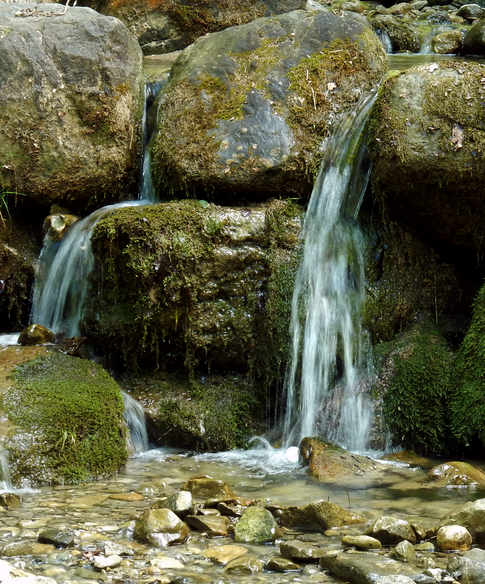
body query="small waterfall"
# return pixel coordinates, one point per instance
(5, 484)
(134, 417)
(325, 385)
(62, 278)
(385, 40)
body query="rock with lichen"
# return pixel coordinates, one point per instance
(71, 100)
(247, 109)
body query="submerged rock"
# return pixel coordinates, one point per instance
(301, 551)
(160, 527)
(247, 108)
(456, 473)
(256, 525)
(224, 554)
(70, 106)
(318, 516)
(206, 487)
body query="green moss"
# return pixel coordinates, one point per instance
(468, 400)
(416, 401)
(68, 418)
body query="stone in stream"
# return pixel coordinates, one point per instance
(391, 530)
(25, 548)
(180, 503)
(214, 526)
(70, 115)
(404, 551)
(474, 43)
(256, 525)
(209, 488)
(244, 565)
(102, 562)
(456, 473)
(36, 334)
(10, 500)
(63, 537)
(279, 564)
(472, 516)
(160, 564)
(223, 554)
(318, 516)
(453, 538)
(361, 542)
(160, 527)
(468, 568)
(449, 41)
(10, 574)
(301, 551)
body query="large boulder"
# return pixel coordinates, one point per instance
(194, 284)
(474, 42)
(71, 101)
(64, 418)
(427, 143)
(162, 26)
(472, 516)
(247, 108)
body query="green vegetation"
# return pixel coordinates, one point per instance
(67, 414)
(468, 399)
(416, 400)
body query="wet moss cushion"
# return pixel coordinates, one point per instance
(67, 414)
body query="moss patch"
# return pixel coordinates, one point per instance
(68, 421)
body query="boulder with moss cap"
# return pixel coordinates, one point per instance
(246, 109)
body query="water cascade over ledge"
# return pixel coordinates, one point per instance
(330, 355)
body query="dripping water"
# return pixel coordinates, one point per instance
(134, 417)
(330, 355)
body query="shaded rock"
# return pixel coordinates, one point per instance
(403, 34)
(231, 509)
(56, 226)
(472, 516)
(328, 463)
(301, 551)
(450, 41)
(162, 27)
(244, 565)
(468, 568)
(206, 487)
(426, 133)
(456, 473)
(453, 537)
(471, 11)
(224, 554)
(391, 530)
(213, 526)
(36, 334)
(361, 542)
(318, 516)
(70, 114)
(425, 528)
(405, 551)
(256, 525)
(246, 109)
(279, 564)
(367, 568)
(59, 537)
(160, 527)
(425, 546)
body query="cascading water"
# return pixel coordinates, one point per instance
(4, 472)
(330, 358)
(134, 417)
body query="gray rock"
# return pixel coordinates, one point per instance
(472, 516)
(471, 11)
(279, 564)
(160, 527)
(301, 551)
(102, 562)
(391, 530)
(405, 551)
(70, 114)
(468, 568)
(256, 525)
(59, 537)
(213, 526)
(180, 503)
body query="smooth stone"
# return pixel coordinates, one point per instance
(160, 527)
(425, 528)
(301, 551)
(362, 542)
(224, 554)
(128, 497)
(391, 530)
(279, 564)
(58, 537)
(256, 525)
(453, 537)
(405, 551)
(103, 562)
(214, 526)
(244, 565)
(180, 503)
(206, 487)
(161, 564)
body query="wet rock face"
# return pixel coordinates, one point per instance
(474, 43)
(162, 26)
(426, 142)
(246, 109)
(70, 106)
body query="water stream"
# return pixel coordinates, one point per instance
(330, 358)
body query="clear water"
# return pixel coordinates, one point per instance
(329, 369)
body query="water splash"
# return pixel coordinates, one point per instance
(9, 339)
(134, 417)
(385, 40)
(330, 356)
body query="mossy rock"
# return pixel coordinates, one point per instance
(70, 107)
(467, 404)
(162, 26)
(414, 381)
(403, 32)
(194, 286)
(66, 418)
(427, 142)
(474, 42)
(212, 414)
(246, 109)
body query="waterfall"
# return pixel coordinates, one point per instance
(4, 472)
(134, 417)
(330, 356)
(62, 278)
(385, 40)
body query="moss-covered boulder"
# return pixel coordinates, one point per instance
(467, 404)
(402, 32)
(162, 26)
(318, 516)
(256, 525)
(427, 142)
(70, 106)
(474, 42)
(65, 421)
(193, 285)
(246, 109)
(414, 382)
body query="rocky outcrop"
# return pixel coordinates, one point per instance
(474, 43)
(246, 109)
(162, 26)
(427, 135)
(70, 106)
